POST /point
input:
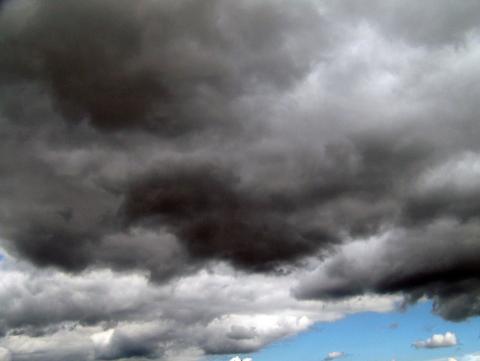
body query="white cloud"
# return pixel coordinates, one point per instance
(237, 358)
(438, 340)
(218, 310)
(334, 355)
(5, 354)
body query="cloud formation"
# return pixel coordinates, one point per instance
(438, 340)
(328, 146)
(101, 314)
(124, 92)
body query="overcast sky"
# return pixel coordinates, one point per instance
(191, 179)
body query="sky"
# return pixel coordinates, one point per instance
(191, 180)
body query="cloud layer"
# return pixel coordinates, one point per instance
(330, 147)
(100, 314)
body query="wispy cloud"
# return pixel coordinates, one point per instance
(334, 355)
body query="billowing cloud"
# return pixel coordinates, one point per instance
(156, 65)
(101, 314)
(438, 340)
(328, 147)
(125, 92)
(389, 265)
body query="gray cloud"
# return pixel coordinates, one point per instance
(420, 262)
(140, 68)
(166, 137)
(430, 23)
(101, 314)
(153, 65)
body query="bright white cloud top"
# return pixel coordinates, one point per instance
(448, 339)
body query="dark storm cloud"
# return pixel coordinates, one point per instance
(215, 218)
(438, 261)
(153, 65)
(170, 67)
(81, 52)
(165, 136)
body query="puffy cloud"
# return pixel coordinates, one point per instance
(438, 340)
(101, 314)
